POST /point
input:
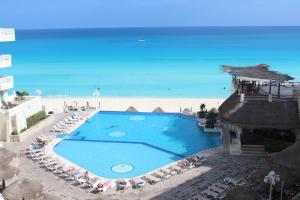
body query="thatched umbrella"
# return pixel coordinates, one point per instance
(47, 196)
(214, 110)
(132, 109)
(187, 111)
(158, 109)
(7, 172)
(23, 189)
(289, 158)
(6, 155)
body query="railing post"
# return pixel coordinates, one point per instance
(242, 97)
(270, 97)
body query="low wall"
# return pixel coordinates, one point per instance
(42, 126)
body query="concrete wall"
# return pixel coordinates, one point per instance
(231, 146)
(15, 118)
(3, 126)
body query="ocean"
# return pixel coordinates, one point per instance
(146, 62)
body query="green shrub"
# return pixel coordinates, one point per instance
(36, 118)
(201, 114)
(276, 146)
(24, 129)
(14, 132)
(211, 119)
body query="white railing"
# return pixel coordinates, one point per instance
(7, 35)
(6, 82)
(5, 61)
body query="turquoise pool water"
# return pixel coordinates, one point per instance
(124, 145)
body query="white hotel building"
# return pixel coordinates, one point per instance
(13, 110)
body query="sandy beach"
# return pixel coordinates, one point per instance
(141, 104)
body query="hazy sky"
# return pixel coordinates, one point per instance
(140, 13)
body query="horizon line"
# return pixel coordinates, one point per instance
(145, 27)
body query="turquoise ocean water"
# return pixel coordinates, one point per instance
(146, 62)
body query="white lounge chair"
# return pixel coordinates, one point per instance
(151, 179)
(210, 194)
(138, 182)
(235, 182)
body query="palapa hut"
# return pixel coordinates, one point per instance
(187, 111)
(263, 105)
(131, 109)
(158, 110)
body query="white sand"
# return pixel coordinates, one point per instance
(141, 104)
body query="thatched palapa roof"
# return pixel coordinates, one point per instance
(158, 109)
(260, 113)
(187, 111)
(261, 71)
(131, 109)
(289, 157)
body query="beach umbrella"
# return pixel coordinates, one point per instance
(132, 109)
(7, 172)
(47, 196)
(23, 189)
(187, 111)
(6, 155)
(158, 109)
(214, 110)
(96, 93)
(38, 92)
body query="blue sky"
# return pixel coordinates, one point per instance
(43, 14)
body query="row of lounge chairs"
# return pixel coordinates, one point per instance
(68, 173)
(218, 190)
(81, 108)
(67, 123)
(167, 172)
(160, 174)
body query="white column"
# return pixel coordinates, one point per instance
(225, 138)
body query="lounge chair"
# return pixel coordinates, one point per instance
(222, 186)
(158, 174)
(167, 173)
(216, 189)
(121, 184)
(177, 168)
(235, 182)
(137, 183)
(102, 187)
(151, 179)
(210, 194)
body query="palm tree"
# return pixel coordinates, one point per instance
(22, 94)
(202, 107)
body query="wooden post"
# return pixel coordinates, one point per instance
(279, 89)
(242, 86)
(270, 89)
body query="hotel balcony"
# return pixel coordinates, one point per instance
(7, 35)
(6, 83)
(5, 61)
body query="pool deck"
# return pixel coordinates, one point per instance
(183, 186)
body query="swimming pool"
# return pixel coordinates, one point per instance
(125, 145)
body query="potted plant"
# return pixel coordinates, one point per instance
(14, 132)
